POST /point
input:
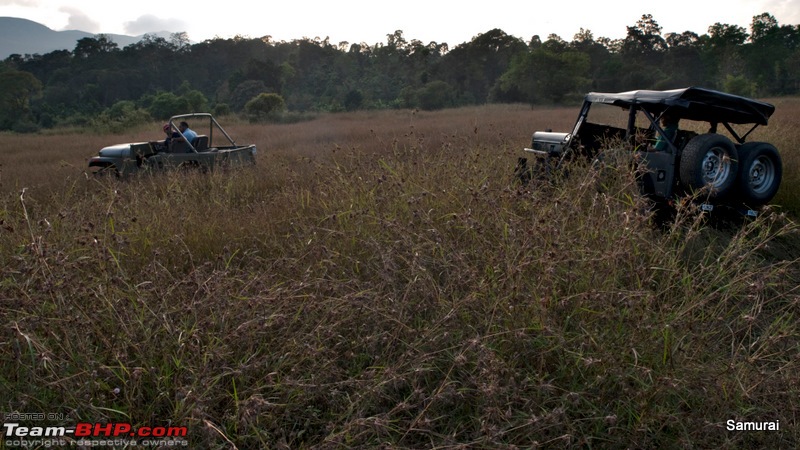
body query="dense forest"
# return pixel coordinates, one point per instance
(98, 83)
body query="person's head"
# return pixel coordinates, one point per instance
(166, 128)
(183, 126)
(669, 118)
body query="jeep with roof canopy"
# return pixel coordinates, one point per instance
(723, 169)
(211, 149)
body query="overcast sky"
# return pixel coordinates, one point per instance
(453, 22)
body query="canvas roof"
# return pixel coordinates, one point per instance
(692, 103)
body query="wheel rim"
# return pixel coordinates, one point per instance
(716, 167)
(761, 175)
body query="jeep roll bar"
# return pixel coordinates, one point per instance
(212, 124)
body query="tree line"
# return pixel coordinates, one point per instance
(99, 83)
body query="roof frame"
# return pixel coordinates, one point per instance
(693, 103)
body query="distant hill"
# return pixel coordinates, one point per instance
(23, 36)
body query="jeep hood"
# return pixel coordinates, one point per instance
(116, 151)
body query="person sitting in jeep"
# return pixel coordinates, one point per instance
(188, 135)
(669, 123)
(163, 146)
(176, 141)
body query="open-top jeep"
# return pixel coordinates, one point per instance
(202, 152)
(726, 171)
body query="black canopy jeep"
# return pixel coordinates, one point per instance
(725, 169)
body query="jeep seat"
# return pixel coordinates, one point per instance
(178, 147)
(200, 143)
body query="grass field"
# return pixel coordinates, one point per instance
(378, 281)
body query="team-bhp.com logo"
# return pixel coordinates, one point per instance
(85, 429)
(19, 435)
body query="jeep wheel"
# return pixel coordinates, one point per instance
(192, 166)
(760, 173)
(539, 170)
(106, 171)
(522, 173)
(709, 161)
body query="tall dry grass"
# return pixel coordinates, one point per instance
(783, 132)
(378, 281)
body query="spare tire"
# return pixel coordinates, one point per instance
(709, 161)
(760, 173)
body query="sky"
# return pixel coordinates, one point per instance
(355, 21)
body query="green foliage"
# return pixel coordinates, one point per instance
(16, 90)
(121, 116)
(769, 58)
(435, 95)
(245, 92)
(739, 85)
(316, 75)
(644, 39)
(724, 35)
(221, 109)
(196, 101)
(546, 75)
(92, 46)
(475, 67)
(354, 100)
(25, 126)
(166, 105)
(265, 107)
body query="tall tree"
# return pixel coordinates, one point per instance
(475, 67)
(88, 47)
(16, 90)
(599, 55)
(548, 73)
(683, 62)
(644, 40)
(763, 26)
(723, 52)
(642, 53)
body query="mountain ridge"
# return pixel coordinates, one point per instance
(27, 37)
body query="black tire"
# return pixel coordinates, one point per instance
(193, 167)
(759, 175)
(709, 161)
(107, 171)
(539, 170)
(522, 173)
